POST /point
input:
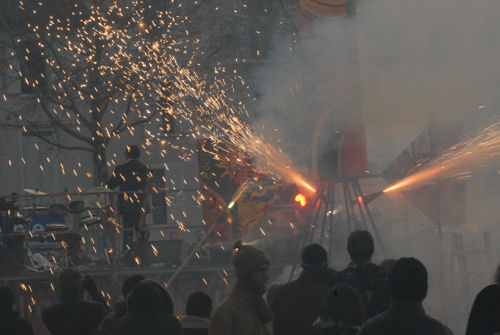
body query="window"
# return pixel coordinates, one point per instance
(32, 68)
(158, 204)
(39, 170)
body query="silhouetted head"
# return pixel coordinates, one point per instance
(497, 275)
(360, 246)
(149, 297)
(343, 306)
(7, 298)
(199, 304)
(129, 283)
(70, 284)
(314, 257)
(251, 265)
(408, 280)
(387, 265)
(132, 151)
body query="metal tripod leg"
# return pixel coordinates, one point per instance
(370, 218)
(308, 235)
(347, 203)
(331, 220)
(358, 195)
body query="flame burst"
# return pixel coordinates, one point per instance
(129, 67)
(456, 162)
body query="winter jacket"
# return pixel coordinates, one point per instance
(242, 313)
(76, 317)
(407, 319)
(130, 176)
(109, 321)
(484, 317)
(194, 325)
(295, 305)
(150, 324)
(149, 312)
(370, 281)
(12, 324)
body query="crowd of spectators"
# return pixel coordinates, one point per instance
(364, 299)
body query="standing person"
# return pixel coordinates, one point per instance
(73, 315)
(484, 317)
(198, 311)
(342, 313)
(245, 312)
(10, 322)
(367, 278)
(131, 178)
(109, 321)
(407, 288)
(149, 312)
(295, 305)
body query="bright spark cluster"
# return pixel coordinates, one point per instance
(457, 162)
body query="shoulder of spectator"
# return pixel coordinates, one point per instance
(272, 291)
(448, 331)
(26, 327)
(221, 321)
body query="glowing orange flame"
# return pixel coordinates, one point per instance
(301, 199)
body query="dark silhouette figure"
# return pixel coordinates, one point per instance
(245, 312)
(295, 305)
(387, 265)
(120, 309)
(73, 315)
(10, 322)
(342, 313)
(367, 278)
(484, 317)
(90, 286)
(408, 288)
(131, 178)
(149, 312)
(198, 311)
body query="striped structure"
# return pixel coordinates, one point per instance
(311, 10)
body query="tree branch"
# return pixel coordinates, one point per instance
(119, 127)
(61, 146)
(141, 121)
(85, 121)
(62, 126)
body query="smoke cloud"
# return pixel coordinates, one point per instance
(403, 64)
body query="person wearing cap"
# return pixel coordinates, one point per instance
(295, 305)
(406, 315)
(132, 179)
(245, 311)
(367, 278)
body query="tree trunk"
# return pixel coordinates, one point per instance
(100, 169)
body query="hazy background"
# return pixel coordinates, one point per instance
(403, 63)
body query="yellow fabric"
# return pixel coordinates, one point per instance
(324, 8)
(247, 258)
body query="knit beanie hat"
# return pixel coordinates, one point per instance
(247, 258)
(314, 257)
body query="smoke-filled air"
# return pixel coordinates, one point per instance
(262, 167)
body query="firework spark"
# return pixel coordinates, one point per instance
(115, 68)
(457, 162)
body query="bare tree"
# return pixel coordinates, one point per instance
(98, 68)
(86, 67)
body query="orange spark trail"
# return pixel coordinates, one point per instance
(456, 162)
